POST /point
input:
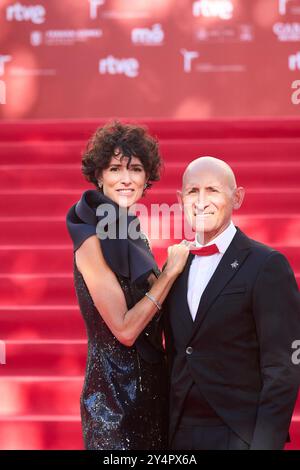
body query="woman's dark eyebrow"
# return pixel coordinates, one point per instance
(136, 165)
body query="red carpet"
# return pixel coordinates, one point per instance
(39, 179)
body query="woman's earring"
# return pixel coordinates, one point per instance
(100, 185)
(145, 185)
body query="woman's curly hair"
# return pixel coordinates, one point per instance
(126, 140)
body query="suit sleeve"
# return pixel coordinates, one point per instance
(169, 342)
(276, 307)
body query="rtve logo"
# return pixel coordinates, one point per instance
(113, 66)
(94, 5)
(18, 12)
(222, 9)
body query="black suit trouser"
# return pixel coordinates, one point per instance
(207, 437)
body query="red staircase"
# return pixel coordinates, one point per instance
(39, 319)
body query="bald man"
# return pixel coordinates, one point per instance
(232, 317)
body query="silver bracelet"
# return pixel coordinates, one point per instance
(150, 297)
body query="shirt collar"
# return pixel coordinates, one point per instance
(223, 240)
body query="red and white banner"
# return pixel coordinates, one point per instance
(149, 58)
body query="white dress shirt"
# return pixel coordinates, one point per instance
(203, 267)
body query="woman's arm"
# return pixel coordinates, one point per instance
(108, 297)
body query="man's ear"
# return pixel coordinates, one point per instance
(238, 197)
(179, 198)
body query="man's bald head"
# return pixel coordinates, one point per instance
(215, 166)
(209, 195)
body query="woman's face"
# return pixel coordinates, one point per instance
(123, 185)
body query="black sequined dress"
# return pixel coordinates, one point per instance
(124, 397)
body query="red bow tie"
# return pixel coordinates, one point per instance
(205, 250)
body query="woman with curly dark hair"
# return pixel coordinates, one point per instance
(120, 291)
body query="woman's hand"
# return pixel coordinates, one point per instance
(177, 256)
(108, 296)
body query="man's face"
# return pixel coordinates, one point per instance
(207, 200)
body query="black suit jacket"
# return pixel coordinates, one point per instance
(238, 350)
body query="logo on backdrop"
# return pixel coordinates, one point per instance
(282, 6)
(2, 92)
(294, 61)
(222, 9)
(148, 36)
(188, 57)
(3, 60)
(18, 12)
(36, 38)
(288, 6)
(296, 94)
(113, 66)
(63, 37)
(234, 33)
(94, 5)
(207, 67)
(287, 32)
(2, 352)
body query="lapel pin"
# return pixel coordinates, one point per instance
(235, 264)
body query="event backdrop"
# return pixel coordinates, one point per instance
(180, 59)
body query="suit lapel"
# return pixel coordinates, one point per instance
(228, 267)
(181, 310)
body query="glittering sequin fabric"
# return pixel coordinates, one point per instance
(123, 401)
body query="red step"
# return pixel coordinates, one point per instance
(251, 174)
(38, 395)
(40, 179)
(34, 322)
(226, 128)
(41, 290)
(42, 432)
(27, 259)
(268, 228)
(231, 149)
(63, 433)
(45, 357)
(36, 259)
(54, 289)
(261, 174)
(23, 407)
(37, 203)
